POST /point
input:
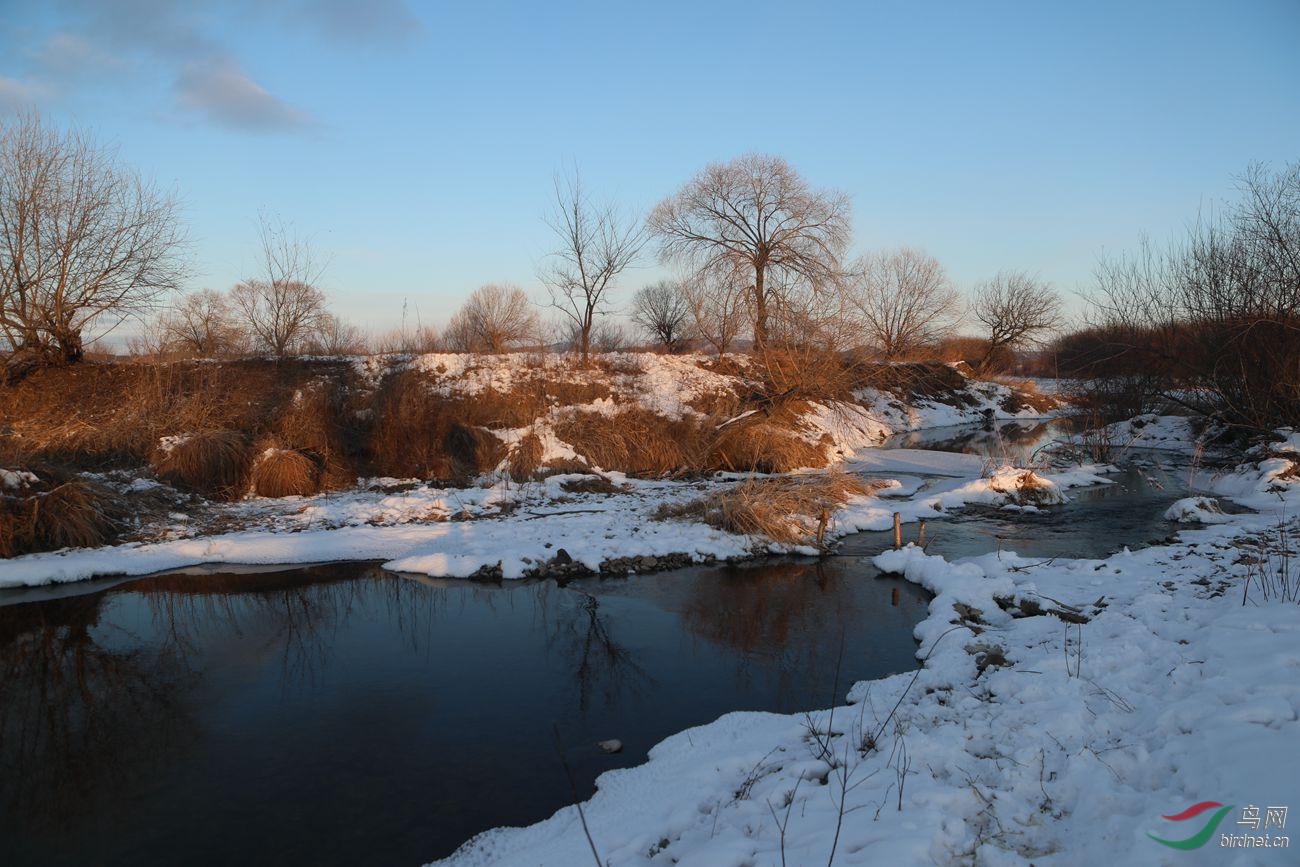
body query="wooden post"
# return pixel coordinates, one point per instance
(893, 598)
(898, 530)
(920, 534)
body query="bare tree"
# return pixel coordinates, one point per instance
(281, 307)
(202, 324)
(755, 225)
(333, 336)
(495, 318)
(84, 241)
(903, 300)
(663, 313)
(596, 245)
(1015, 309)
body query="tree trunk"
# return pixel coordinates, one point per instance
(760, 310)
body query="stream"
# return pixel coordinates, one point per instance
(340, 714)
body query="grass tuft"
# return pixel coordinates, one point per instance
(788, 510)
(75, 514)
(525, 458)
(212, 463)
(287, 473)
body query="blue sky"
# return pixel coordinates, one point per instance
(415, 143)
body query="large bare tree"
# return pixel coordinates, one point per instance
(597, 244)
(281, 307)
(755, 224)
(84, 242)
(495, 318)
(1015, 308)
(903, 300)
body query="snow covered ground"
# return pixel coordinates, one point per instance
(1064, 709)
(514, 528)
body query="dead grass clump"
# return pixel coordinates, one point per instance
(315, 422)
(287, 473)
(591, 484)
(790, 510)
(525, 458)
(635, 441)
(212, 463)
(471, 451)
(761, 444)
(75, 514)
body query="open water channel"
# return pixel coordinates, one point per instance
(340, 715)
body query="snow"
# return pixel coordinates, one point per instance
(1061, 709)
(13, 480)
(1025, 738)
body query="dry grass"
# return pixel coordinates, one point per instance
(525, 458)
(592, 484)
(1024, 395)
(789, 510)
(471, 451)
(287, 473)
(212, 463)
(316, 422)
(635, 441)
(763, 444)
(75, 514)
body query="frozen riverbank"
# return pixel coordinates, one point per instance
(1065, 707)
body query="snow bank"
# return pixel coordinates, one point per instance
(1063, 709)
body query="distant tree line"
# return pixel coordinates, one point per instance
(760, 259)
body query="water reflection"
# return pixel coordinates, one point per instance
(351, 715)
(1017, 442)
(76, 694)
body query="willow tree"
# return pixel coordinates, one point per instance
(84, 242)
(755, 224)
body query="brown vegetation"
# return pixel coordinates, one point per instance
(74, 514)
(789, 510)
(525, 458)
(763, 444)
(212, 463)
(286, 473)
(635, 441)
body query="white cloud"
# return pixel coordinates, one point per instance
(222, 91)
(16, 95)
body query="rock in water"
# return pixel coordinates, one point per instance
(613, 745)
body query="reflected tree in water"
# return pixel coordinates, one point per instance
(83, 707)
(762, 611)
(578, 632)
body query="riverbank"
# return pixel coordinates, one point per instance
(595, 462)
(1064, 708)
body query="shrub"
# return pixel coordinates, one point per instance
(212, 463)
